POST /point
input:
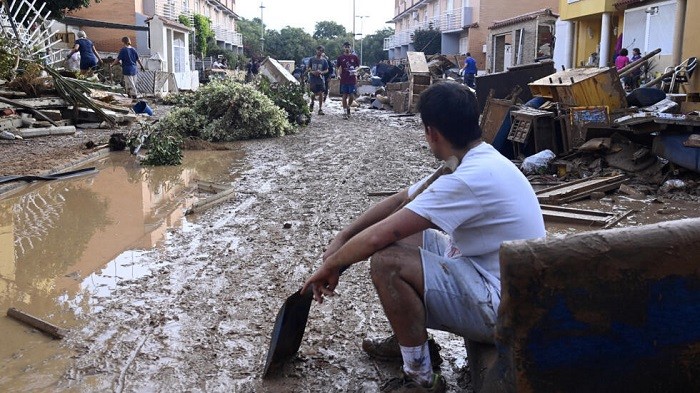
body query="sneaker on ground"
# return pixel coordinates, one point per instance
(406, 384)
(388, 350)
(320, 112)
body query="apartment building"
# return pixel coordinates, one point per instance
(601, 26)
(138, 12)
(463, 24)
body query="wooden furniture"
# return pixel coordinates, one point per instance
(418, 78)
(583, 87)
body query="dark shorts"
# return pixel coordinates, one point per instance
(347, 89)
(88, 64)
(317, 86)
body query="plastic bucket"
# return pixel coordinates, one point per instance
(142, 107)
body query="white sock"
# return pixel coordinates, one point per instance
(416, 363)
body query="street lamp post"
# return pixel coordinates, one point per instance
(362, 37)
(262, 30)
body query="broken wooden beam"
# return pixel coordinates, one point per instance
(207, 186)
(38, 324)
(579, 189)
(210, 201)
(37, 132)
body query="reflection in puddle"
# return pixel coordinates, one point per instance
(65, 245)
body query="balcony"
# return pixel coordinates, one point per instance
(172, 10)
(228, 37)
(451, 21)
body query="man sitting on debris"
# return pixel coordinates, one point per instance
(434, 263)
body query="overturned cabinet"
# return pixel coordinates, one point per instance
(533, 130)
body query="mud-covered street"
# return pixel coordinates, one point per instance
(201, 320)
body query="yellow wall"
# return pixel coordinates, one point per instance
(585, 44)
(691, 45)
(584, 8)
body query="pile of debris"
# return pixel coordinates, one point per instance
(61, 105)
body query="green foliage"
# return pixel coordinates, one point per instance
(163, 148)
(329, 30)
(227, 110)
(427, 41)
(291, 43)
(290, 97)
(250, 30)
(7, 60)
(183, 121)
(373, 46)
(58, 8)
(203, 33)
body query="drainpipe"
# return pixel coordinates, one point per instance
(605, 40)
(569, 45)
(678, 31)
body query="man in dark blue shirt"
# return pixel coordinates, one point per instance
(470, 71)
(128, 57)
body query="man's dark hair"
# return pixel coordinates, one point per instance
(452, 109)
(469, 54)
(624, 52)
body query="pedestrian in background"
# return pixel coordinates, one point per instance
(347, 64)
(89, 58)
(128, 58)
(469, 71)
(318, 68)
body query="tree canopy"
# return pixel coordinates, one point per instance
(58, 8)
(329, 30)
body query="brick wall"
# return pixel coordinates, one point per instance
(113, 11)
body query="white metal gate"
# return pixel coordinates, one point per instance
(28, 30)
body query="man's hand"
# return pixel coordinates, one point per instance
(322, 283)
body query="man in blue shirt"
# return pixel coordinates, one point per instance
(469, 71)
(128, 57)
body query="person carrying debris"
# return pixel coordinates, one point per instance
(318, 68)
(434, 263)
(128, 58)
(89, 58)
(347, 64)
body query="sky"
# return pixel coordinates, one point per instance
(278, 14)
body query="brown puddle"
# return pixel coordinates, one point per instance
(66, 244)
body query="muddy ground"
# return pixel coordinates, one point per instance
(202, 320)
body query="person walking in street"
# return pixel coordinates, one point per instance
(347, 64)
(318, 68)
(89, 58)
(469, 71)
(128, 58)
(434, 262)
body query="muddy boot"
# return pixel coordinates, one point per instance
(406, 384)
(387, 349)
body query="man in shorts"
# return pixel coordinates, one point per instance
(347, 64)
(318, 68)
(434, 263)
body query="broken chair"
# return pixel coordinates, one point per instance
(679, 75)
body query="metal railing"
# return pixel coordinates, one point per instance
(456, 19)
(173, 10)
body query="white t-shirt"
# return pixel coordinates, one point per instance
(486, 201)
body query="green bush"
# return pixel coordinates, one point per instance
(163, 148)
(290, 97)
(235, 111)
(182, 121)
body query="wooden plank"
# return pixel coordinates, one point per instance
(559, 193)
(41, 325)
(417, 63)
(36, 103)
(210, 201)
(576, 216)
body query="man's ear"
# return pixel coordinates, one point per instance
(432, 133)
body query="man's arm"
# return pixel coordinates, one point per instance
(390, 230)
